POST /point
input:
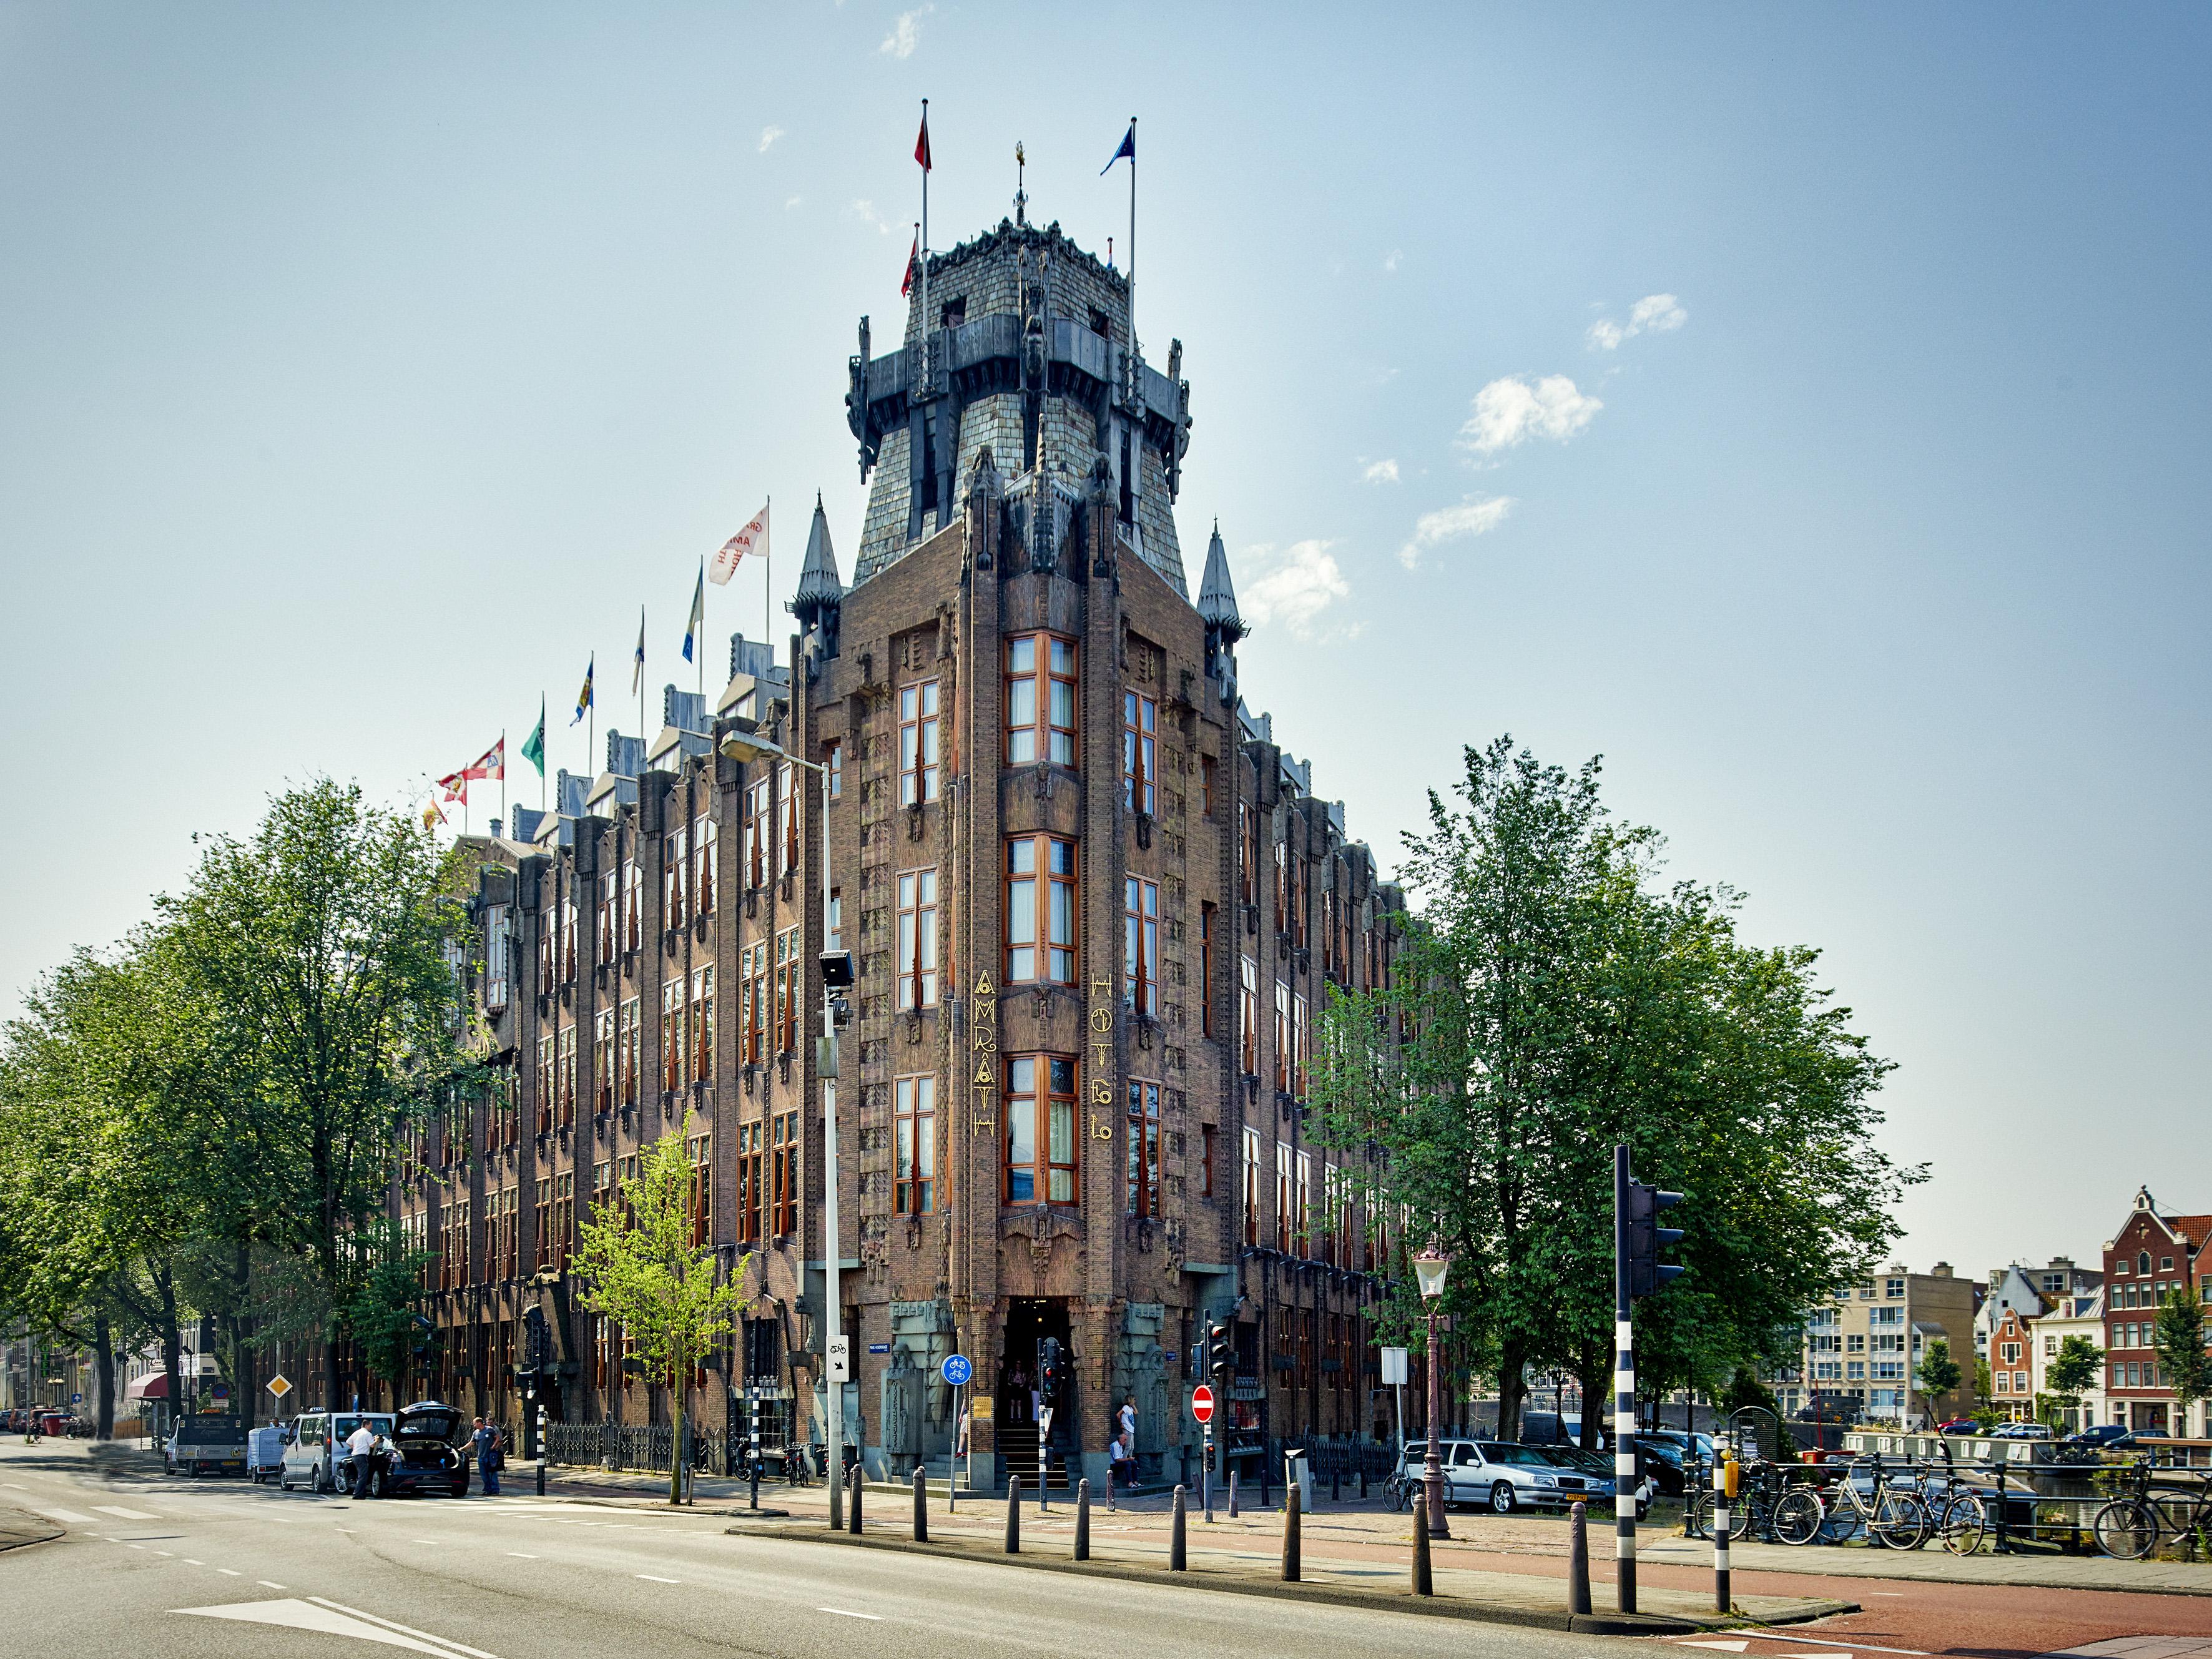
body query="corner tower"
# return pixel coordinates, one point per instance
(1026, 369)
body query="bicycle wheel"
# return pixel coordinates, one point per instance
(1900, 1521)
(1962, 1523)
(2126, 1528)
(1698, 1516)
(1798, 1516)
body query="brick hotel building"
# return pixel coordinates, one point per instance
(1095, 908)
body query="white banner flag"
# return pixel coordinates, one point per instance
(725, 564)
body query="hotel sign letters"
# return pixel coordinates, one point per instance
(1102, 1058)
(982, 1118)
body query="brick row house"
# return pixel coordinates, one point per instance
(1095, 909)
(2153, 1252)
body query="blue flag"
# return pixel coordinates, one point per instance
(584, 697)
(1128, 148)
(697, 626)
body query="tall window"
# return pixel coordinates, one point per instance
(1252, 1187)
(1302, 1212)
(702, 1023)
(1248, 853)
(752, 1003)
(787, 808)
(1140, 938)
(918, 742)
(499, 956)
(1248, 1014)
(1300, 1041)
(787, 990)
(836, 919)
(914, 1120)
(1041, 908)
(1282, 884)
(545, 1086)
(1282, 1037)
(785, 1173)
(629, 1036)
(1041, 1145)
(699, 1199)
(1206, 1160)
(755, 827)
(633, 908)
(1285, 1195)
(541, 1223)
(1206, 784)
(564, 1217)
(917, 959)
(674, 855)
(833, 756)
(1139, 750)
(565, 1081)
(1039, 700)
(752, 1190)
(569, 937)
(1205, 968)
(704, 837)
(604, 941)
(1143, 1184)
(510, 1266)
(672, 1035)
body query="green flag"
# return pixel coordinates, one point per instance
(533, 746)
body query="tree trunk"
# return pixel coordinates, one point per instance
(103, 1339)
(171, 1341)
(676, 1450)
(241, 1376)
(1512, 1388)
(1595, 1375)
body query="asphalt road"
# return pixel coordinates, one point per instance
(155, 1567)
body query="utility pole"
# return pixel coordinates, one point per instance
(1637, 1271)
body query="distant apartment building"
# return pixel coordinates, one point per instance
(2029, 1291)
(2081, 1314)
(1865, 1345)
(2153, 1253)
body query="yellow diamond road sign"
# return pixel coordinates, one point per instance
(278, 1386)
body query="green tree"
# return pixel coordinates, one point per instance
(2179, 1338)
(1939, 1374)
(381, 1301)
(643, 1269)
(321, 954)
(1550, 997)
(2073, 1370)
(1985, 1412)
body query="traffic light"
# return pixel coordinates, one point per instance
(1646, 1238)
(1049, 1366)
(1220, 1363)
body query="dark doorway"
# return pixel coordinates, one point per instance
(1031, 1321)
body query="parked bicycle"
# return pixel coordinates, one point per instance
(1768, 1504)
(1890, 1515)
(2130, 1525)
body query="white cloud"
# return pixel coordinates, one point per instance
(1510, 412)
(768, 135)
(1293, 587)
(1390, 260)
(905, 34)
(1383, 471)
(1655, 313)
(791, 202)
(866, 214)
(1478, 515)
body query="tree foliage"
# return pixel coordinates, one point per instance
(641, 1270)
(1939, 1373)
(2178, 1336)
(1552, 998)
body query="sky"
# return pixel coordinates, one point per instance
(1801, 407)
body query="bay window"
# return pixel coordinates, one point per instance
(918, 742)
(1140, 954)
(1040, 910)
(1041, 1143)
(1040, 692)
(1143, 1184)
(916, 958)
(913, 1130)
(1139, 750)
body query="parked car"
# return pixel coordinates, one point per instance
(205, 1443)
(1500, 1475)
(424, 1457)
(1959, 1426)
(318, 1441)
(1666, 1456)
(2098, 1435)
(2021, 1432)
(1596, 1467)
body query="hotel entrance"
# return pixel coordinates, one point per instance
(1031, 1322)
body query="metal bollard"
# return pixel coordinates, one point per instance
(1232, 1494)
(1578, 1594)
(1423, 1582)
(1044, 1480)
(1013, 1515)
(1178, 1552)
(1336, 1483)
(1110, 1489)
(1291, 1501)
(837, 1484)
(2003, 1543)
(921, 1505)
(1720, 1537)
(541, 1477)
(753, 1496)
(853, 1521)
(1083, 1517)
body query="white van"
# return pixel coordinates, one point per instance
(311, 1459)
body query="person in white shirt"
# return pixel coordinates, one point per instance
(359, 1445)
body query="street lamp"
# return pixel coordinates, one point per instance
(1429, 1268)
(743, 746)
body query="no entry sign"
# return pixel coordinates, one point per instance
(1201, 1403)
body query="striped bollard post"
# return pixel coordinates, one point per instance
(1624, 1397)
(1720, 1536)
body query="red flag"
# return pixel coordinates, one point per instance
(492, 763)
(921, 144)
(913, 265)
(456, 786)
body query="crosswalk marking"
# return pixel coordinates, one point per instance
(118, 1510)
(68, 1517)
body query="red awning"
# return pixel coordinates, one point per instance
(155, 1387)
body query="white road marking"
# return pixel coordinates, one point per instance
(268, 1584)
(138, 1547)
(1811, 1642)
(650, 1579)
(846, 1613)
(118, 1510)
(445, 1643)
(300, 1616)
(69, 1516)
(167, 1552)
(520, 1556)
(230, 1573)
(1725, 1647)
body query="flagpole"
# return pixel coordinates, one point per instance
(1133, 238)
(541, 754)
(927, 382)
(767, 576)
(699, 662)
(503, 780)
(638, 675)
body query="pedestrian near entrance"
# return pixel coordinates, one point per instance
(485, 1443)
(1126, 1420)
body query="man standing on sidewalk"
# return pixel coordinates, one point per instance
(1126, 1420)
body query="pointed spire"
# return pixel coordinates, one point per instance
(1217, 598)
(819, 588)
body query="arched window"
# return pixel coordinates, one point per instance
(2142, 1263)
